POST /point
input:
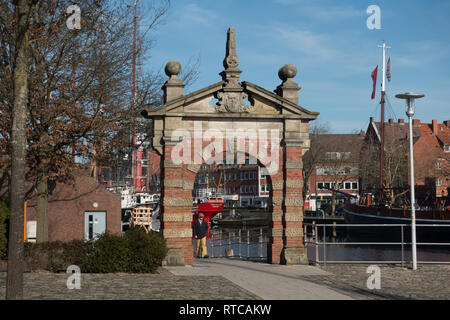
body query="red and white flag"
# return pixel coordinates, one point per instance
(374, 78)
(388, 70)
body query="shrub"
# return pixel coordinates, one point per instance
(107, 254)
(134, 251)
(54, 256)
(146, 251)
(4, 217)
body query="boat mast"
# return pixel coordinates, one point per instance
(383, 92)
(133, 98)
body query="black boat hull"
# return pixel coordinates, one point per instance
(433, 233)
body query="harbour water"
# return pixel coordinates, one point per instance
(251, 243)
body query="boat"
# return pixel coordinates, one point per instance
(367, 212)
(131, 199)
(435, 220)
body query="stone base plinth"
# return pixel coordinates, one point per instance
(175, 256)
(294, 255)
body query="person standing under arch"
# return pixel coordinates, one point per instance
(200, 230)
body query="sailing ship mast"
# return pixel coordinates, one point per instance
(133, 99)
(383, 93)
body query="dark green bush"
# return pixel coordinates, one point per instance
(135, 251)
(146, 251)
(54, 256)
(107, 254)
(4, 217)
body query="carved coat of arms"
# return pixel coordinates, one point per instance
(231, 102)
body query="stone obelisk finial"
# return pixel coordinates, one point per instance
(231, 73)
(231, 60)
(231, 97)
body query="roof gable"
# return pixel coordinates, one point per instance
(259, 102)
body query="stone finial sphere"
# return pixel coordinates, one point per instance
(173, 67)
(287, 71)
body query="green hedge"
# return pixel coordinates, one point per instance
(134, 251)
(4, 219)
(54, 256)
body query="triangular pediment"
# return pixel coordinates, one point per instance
(261, 102)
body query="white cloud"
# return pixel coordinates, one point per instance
(287, 2)
(193, 13)
(324, 11)
(307, 42)
(331, 13)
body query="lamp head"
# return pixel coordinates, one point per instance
(409, 97)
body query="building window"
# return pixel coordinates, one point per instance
(447, 148)
(338, 155)
(320, 185)
(355, 185)
(347, 185)
(438, 182)
(438, 165)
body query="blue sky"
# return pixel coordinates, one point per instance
(329, 43)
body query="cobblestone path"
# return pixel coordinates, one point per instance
(163, 286)
(426, 283)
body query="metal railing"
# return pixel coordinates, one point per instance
(243, 243)
(311, 238)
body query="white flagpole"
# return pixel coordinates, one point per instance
(383, 80)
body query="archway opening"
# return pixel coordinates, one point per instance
(241, 229)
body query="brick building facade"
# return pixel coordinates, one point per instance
(431, 145)
(244, 185)
(68, 206)
(335, 167)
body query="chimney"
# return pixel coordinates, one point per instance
(434, 126)
(288, 89)
(416, 122)
(362, 133)
(401, 121)
(391, 121)
(173, 88)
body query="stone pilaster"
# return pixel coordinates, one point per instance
(293, 251)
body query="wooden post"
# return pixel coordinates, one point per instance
(25, 221)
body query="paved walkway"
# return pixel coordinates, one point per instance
(228, 279)
(268, 281)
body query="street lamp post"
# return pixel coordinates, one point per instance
(410, 97)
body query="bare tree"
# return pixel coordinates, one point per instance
(395, 167)
(23, 10)
(80, 88)
(314, 154)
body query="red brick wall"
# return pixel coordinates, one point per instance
(67, 205)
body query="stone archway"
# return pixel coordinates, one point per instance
(241, 182)
(187, 129)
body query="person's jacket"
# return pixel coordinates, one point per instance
(200, 230)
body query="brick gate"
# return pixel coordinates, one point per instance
(219, 122)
